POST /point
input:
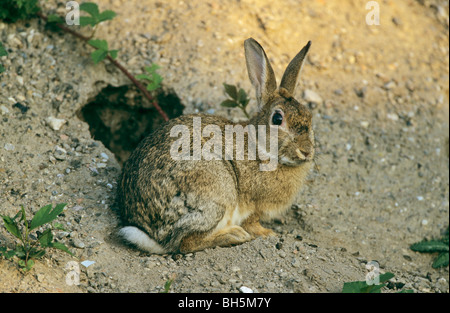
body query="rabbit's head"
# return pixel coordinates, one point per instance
(278, 107)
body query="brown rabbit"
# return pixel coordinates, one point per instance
(189, 204)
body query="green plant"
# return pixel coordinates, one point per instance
(102, 50)
(363, 287)
(238, 98)
(440, 246)
(168, 284)
(32, 246)
(95, 17)
(13, 10)
(2, 53)
(153, 78)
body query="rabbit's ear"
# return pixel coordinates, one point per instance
(259, 71)
(290, 77)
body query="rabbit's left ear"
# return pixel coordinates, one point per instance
(290, 77)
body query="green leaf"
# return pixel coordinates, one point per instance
(406, 291)
(106, 15)
(9, 254)
(46, 214)
(20, 252)
(155, 82)
(363, 287)
(3, 51)
(242, 97)
(441, 260)
(385, 277)
(231, 90)
(99, 44)
(53, 18)
(36, 253)
(113, 54)
(26, 266)
(354, 287)
(60, 246)
(11, 226)
(90, 8)
(2, 69)
(59, 226)
(430, 246)
(87, 20)
(46, 238)
(99, 55)
(229, 104)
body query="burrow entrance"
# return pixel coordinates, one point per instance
(121, 117)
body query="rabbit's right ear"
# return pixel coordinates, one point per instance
(260, 72)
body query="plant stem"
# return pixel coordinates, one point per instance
(117, 64)
(245, 112)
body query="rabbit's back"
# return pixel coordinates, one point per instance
(168, 198)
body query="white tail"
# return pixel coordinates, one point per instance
(141, 240)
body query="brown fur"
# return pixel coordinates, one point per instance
(191, 205)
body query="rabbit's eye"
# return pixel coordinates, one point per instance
(277, 118)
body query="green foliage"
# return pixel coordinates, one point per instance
(238, 98)
(13, 10)
(168, 284)
(440, 246)
(95, 16)
(152, 77)
(2, 53)
(31, 247)
(102, 50)
(363, 287)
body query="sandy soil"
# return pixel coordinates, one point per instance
(382, 176)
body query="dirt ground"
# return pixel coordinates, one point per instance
(382, 123)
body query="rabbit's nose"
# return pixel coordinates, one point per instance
(306, 154)
(303, 155)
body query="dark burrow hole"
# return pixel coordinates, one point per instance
(121, 117)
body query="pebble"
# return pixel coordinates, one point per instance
(392, 116)
(9, 147)
(312, 96)
(77, 243)
(60, 153)
(244, 289)
(55, 123)
(104, 156)
(364, 124)
(4, 109)
(87, 263)
(442, 284)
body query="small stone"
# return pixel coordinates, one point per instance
(442, 284)
(244, 289)
(55, 123)
(4, 109)
(60, 153)
(312, 96)
(424, 222)
(9, 147)
(389, 85)
(77, 243)
(364, 124)
(87, 263)
(40, 277)
(392, 116)
(104, 156)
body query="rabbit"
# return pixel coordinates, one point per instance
(187, 205)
